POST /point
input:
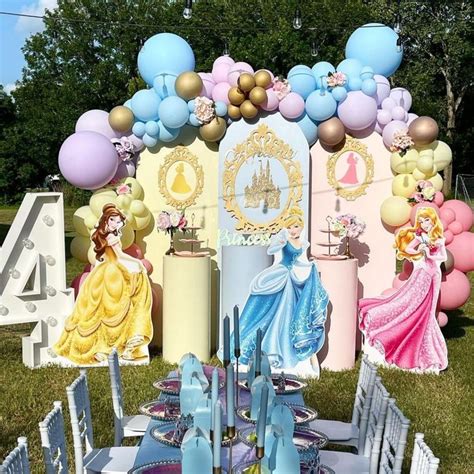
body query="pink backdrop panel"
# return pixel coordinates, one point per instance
(374, 249)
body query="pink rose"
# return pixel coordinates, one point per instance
(164, 221)
(123, 189)
(182, 223)
(281, 88)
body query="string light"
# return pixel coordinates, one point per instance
(188, 9)
(297, 22)
(226, 49)
(314, 50)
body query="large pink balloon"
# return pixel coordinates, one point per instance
(96, 121)
(463, 212)
(448, 236)
(390, 129)
(383, 88)
(88, 160)
(358, 111)
(422, 204)
(455, 227)
(272, 101)
(455, 290)
(208, 84)
(224, 59)
(462, 248)
(292, 106)
(236, 70)
(221, 92)
(220, 72)
(438, 198)
(447, 214)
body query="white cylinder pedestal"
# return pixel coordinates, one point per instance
(339, 278)
(186, 307)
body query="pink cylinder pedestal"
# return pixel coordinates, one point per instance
(339, 277)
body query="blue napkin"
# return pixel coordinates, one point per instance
(256, 392)
(197, 452)
(202, 415)
(190, 394)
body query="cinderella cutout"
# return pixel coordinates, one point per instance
(113, 308)
(401, 330)
(288, 303)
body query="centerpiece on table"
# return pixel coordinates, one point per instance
(170, 223)
(348, 226)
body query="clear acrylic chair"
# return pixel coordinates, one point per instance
(367, 462)
(125, 426)
(116, 460)
(17, 461)
(423, 460)
(394, 440)
(353, 433)
(53, 441)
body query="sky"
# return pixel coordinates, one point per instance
(13, 33)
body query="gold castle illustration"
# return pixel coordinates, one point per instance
(262, 189)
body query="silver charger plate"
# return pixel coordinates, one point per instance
(160, 410)
(301, 413)
(292, 384)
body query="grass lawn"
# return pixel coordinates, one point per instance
(440, 406)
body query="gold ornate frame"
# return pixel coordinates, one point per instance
(180, 153)
(262, 141)
(351, 144)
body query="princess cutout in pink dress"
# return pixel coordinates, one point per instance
(403, 326)
(351, 174)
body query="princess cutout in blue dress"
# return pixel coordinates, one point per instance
(288, 303)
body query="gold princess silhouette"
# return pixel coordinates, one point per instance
(180, 184)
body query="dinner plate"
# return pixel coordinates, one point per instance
(301, 413)
(292, 384)
(161, 410)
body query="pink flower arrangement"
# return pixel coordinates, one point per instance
(123, 189)
(425, 191)
(170, 222)
(281, 87)
(401, 142)
(204, 109)
(348, 225)
(335, 79)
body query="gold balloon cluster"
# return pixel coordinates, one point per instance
(121, 118)
(214, 130)
(248, 95)
(84, 220)
(420, 163)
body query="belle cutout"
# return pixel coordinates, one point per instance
(180, 184)
(288, 303)
(402, 328)
(113, 308)
(351, 174)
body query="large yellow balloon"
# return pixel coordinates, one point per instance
(437, 181)
(425, 161)
(419, 176)
(405, 163)
(141, 222)
(100, 198)
(188, 85)
(121, 118)
(136, 187)
(130, 218)
(395, 211)
(214, 130)
(91, 221)
(124, 201)
(443, 154)
(404, 185)
(128, 236)
(78, 220)
(79, 248)
(138, 208)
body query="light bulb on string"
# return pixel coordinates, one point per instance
(314, 50)
(397, 28)
(188, 9)
(399, 44)
(226, 49)
(297, 22)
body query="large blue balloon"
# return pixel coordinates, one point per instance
(299, 68)
(320, 106)
(164, 85)
(309, 128)
(375, 45)
(302, 81)
(174, 112)
(320, 69)
(350, 67)
(164, 52)
(167, 134)
(145, 104)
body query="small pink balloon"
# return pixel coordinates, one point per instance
(456, 228)
(462, 248)
(462, 211)
(208, 84)
(224, 59)
(448, 236)
(292, 106)
(422, 204)
(134, 251)
(147, 264)
(438, 198)
(236, 70)
(388, 104)
(220, 92)
(442, 319)
(384, 116)
(455, 290)
(389, 291)
(398, 113)
(447, 214)
(390, 129)
(411, 117)
(272, 101)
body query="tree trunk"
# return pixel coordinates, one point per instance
(451, 125)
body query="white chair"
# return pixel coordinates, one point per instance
(394, 440)
(116, 460)
(366, 463)
(353, 434)
(17, 461)
(125, 426)
(53, 441)
(423, 460)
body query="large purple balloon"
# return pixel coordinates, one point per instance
(383, 88)
(88, 160)
(358, 111)
(96, 121)
(390, 129)
(402, 97)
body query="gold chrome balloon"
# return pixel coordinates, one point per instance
(423, 130)
(121, 118)
(331, 132)
(236, 96)
(246, 82)
(248, 110)
(258, 95)
(188, 85)
(214, 130)
(233, 112)
(262, 78)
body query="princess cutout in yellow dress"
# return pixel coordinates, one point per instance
(113, 309)
(180, 184)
